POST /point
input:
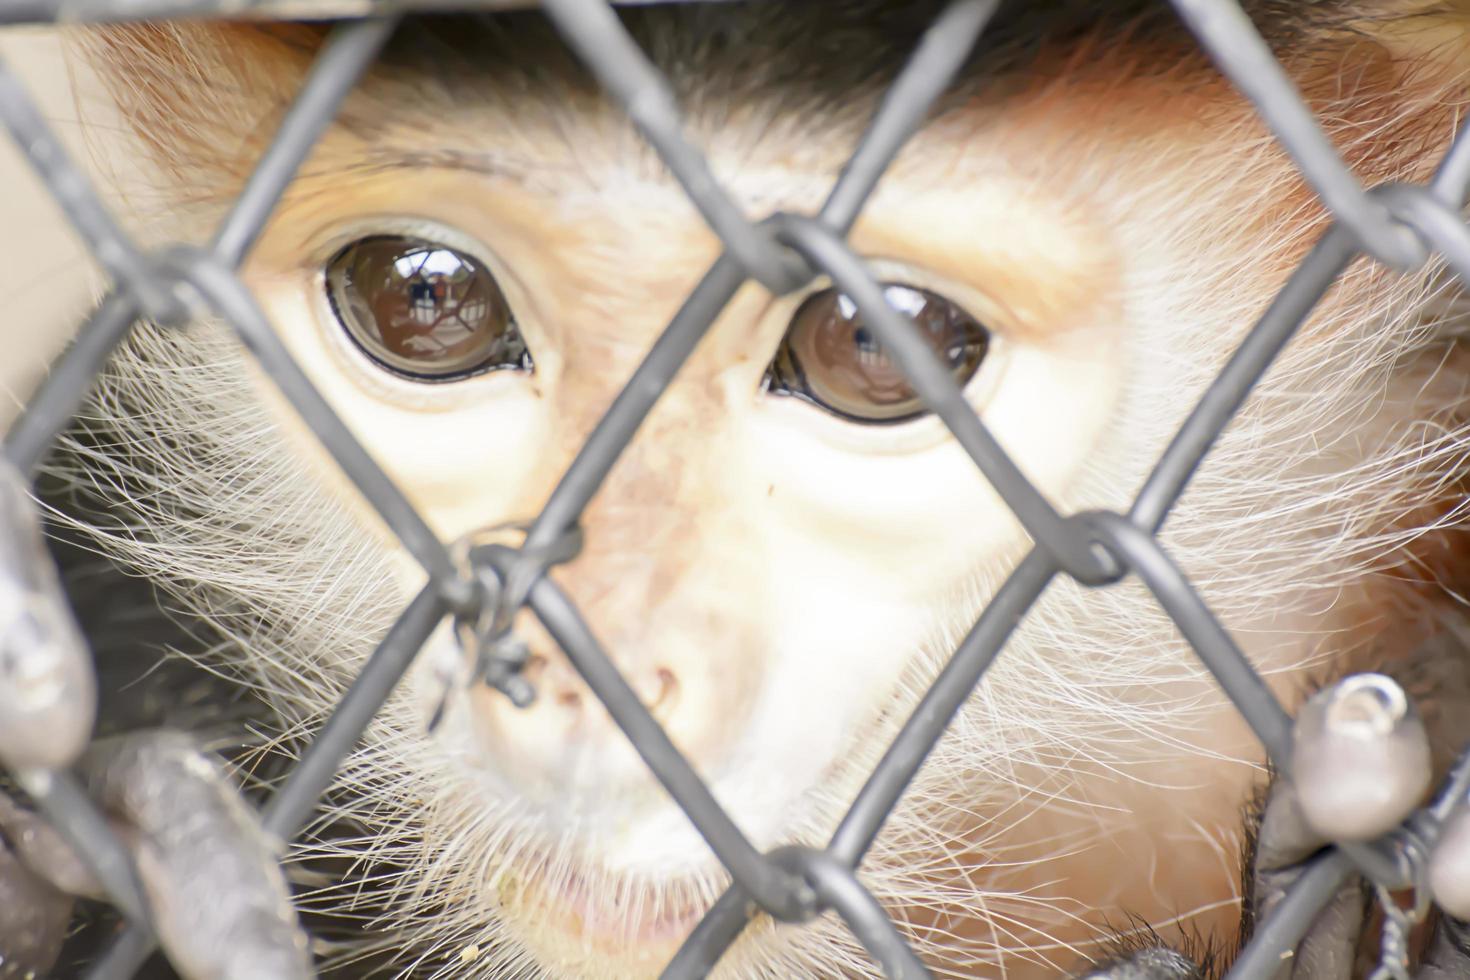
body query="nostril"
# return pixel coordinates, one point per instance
(664, 688)
(569, 697)
(533, 668)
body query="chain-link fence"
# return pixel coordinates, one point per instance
(1400, 226)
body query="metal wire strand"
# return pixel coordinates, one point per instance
(1226, 32)
(66, 386)
(67, 807)
(1223, 399)
(616, 428)
(1434, 220)
(1289, 921)
(592, 28)
(930, 70)
(1451, 181)
(934, 712)
(223, 291)
(716, 932)
(941, 395)
(728, 917)
(782, 894)
(289, 808)
(79, 202)
(1142, 554)
(345, 54)
(839, 889)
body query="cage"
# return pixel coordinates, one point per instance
(479, 585)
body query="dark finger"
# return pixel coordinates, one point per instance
(48, 693)
(33, 919)
(1360, 758)
(1447, 956)
(218, 897)
(1154, 963)
(44, 852)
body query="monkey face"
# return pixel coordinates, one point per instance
(788, 478)
(790, 545)
(790, 539)
(766, 566)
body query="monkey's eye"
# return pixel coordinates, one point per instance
(423, 309)
(831, 358)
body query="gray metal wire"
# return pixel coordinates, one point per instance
(1399, 225)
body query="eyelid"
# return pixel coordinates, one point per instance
(323, 245)
(991, 313)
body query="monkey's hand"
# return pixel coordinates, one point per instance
(33, 912)
(1150, 963)
(1362, 759)
(217, 897)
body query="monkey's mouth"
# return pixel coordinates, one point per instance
(667, 919)
(603, 911)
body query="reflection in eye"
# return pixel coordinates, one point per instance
(423, 309)
(830, 358)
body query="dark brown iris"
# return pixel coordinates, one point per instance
(830, 357)
(423, 309)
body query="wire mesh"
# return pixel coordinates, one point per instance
(1400, 225)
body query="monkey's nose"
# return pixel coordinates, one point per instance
(657, 687)
(566, 740)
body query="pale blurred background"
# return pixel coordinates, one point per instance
(47, 281)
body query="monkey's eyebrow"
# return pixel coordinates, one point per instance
(484, 163)
(557, 171)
